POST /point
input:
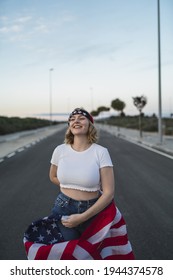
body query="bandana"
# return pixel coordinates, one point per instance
(83, 112)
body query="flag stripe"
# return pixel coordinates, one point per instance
(68, 252)
(83, 253)
(105, 238)
(116, 250)
(33, 250)
(57, 251)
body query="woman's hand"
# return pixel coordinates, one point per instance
(72, 220)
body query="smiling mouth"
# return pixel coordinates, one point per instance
(77, 126)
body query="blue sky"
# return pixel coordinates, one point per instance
(99, 50)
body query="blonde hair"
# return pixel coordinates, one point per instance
(92, 135)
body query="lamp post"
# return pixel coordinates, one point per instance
(159, 75)
(91, 90)
(50, 94)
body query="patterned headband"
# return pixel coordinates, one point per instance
(83, 112)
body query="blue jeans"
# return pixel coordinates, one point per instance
(65, 206)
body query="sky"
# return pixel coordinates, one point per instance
(62, 54)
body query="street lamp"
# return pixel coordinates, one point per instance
(50, 93)
(159, 75)
(91, 90)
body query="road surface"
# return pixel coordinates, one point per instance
(144, 195)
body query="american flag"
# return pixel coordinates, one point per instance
(105, 239)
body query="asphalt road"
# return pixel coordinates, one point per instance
(144, 195)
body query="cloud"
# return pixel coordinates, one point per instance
(41, 28)
(25, 27)
(4, 30)
(21, 28)
(40, 25)
(23, 19)
(10, 29)
(12, 26)
(3, 18)
(67, 17)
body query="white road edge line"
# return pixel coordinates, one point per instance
(11, 154)
(148, 148)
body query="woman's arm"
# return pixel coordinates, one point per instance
(53, 174)
(107, 182)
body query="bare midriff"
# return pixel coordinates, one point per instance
(80, 195)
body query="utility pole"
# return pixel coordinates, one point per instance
(159, 76)
(50, 94)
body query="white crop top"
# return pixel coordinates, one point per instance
(80, 170)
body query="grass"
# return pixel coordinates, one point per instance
(149, 124)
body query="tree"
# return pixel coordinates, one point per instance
(118, 105)
(94, 113)
(99, 110)
(140, 102)
(102, 109)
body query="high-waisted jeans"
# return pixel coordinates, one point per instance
(65, 206)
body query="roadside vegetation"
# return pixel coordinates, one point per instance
(140, 122)
(148, 123)
(15, 124)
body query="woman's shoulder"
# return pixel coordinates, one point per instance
(61, 147)
(103, 156)
(99, 147)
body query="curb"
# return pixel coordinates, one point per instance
(24, 133)
(137, 141)
(28, 144)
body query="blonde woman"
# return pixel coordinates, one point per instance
(84, 172)
(85, 223)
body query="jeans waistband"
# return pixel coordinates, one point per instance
(84, 202)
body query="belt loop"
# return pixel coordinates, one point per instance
(88, 203)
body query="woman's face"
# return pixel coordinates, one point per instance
(79, 125)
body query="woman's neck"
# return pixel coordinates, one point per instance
(80, 144)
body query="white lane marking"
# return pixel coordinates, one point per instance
(11, 155)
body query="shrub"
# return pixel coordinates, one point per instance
(15, 124)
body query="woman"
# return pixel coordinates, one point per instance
(84, 224)
(84, 172)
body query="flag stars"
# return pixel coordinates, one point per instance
(35, 228)
(54, 225)
(40, 238)
(53, 241)
(48, 232)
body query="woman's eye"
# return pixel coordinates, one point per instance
(79, 119)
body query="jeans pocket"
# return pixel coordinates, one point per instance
(60, 207)
(61, 202)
